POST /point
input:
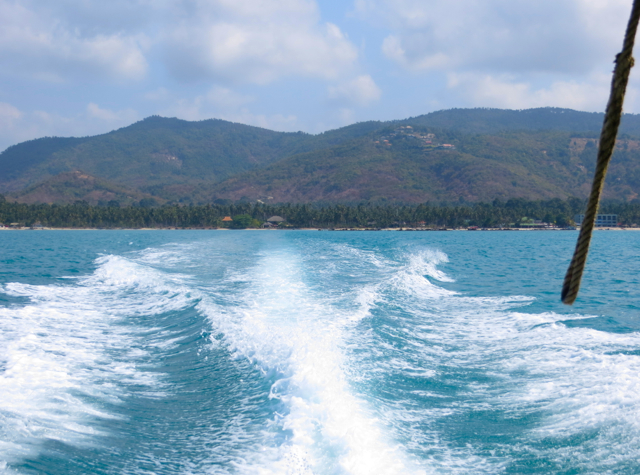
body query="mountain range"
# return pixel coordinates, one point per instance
(457, 155)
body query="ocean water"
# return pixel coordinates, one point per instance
(306, 352)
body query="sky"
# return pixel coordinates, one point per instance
(86, 67)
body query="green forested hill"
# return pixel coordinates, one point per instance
(151, 154)
(169, 158)
(444, 156)
(491, 121)
(531, 165)
(78, 186)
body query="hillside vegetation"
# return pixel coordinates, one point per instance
(530, 165)
(458, 155)
(499, 214)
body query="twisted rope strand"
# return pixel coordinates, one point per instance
(624, 63)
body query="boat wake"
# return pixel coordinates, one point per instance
(305, 357)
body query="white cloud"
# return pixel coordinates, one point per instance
(125, 116)
(17, 125)
(360, 91)
(35, 44)
(346, 116)
(256, 41)
(240, 41)
(216, 102)
(507, 92)
(159, 94)
(501, 53)
(226, 99)
(9, 115)
(223, 103)
(572, 36)
(392, 49)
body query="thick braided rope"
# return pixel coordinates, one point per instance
(624, 63)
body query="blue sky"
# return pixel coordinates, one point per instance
(84, 67)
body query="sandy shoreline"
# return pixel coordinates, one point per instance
(311, 229)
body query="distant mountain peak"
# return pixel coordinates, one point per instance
(473, 154)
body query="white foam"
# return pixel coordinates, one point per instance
(315, 343)
(427, 261)
(579, 378)
(70, 350)
(583, 381)
(412, 278)
(287, 330)
(364, 256)
(306, 336)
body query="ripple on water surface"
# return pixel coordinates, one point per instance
(296, 353)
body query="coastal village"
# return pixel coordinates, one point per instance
(603, 221)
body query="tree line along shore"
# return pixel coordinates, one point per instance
(498, 214)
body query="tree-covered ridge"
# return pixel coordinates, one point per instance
(491, 121)
(532, 154)
(166, 157)
(155, 151)
(79, 186)
(497, 214)
(401, 167)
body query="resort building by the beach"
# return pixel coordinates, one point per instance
(227, 219)
(275, 219)
(602, 220)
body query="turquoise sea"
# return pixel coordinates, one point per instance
(306, 352)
